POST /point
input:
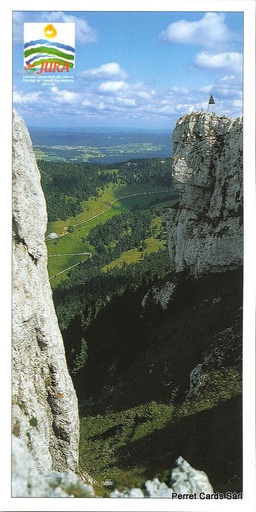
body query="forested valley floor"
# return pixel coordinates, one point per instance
(130, 359)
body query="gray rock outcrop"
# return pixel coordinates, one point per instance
(205, 234)
(45, 410)
(161, 295)
(29, 482)
(183, 480)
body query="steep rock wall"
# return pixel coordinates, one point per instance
(205, 234)
(45, 410)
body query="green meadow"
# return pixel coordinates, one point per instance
(70, 247)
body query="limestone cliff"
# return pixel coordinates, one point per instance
(205, 232)
(45, 411)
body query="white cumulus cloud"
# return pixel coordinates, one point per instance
(229, 89)
(84, 33)
(109, 71)
(20, 98)
(113, 86)
(64, 96)
(144, 94)
(208, 31)
(229, 61)
(206, 89)
(127, 102)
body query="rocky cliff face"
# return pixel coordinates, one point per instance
(205, 232)
(45, 411)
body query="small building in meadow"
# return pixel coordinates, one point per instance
(51, 236)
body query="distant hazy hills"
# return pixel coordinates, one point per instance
(101, 146)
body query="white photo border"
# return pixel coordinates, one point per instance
(98, 504)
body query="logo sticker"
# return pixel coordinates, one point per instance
(49, 47)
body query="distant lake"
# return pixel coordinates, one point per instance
(101, 146)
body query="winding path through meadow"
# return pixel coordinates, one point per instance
(94, 217)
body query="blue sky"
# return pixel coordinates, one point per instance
(136, 69)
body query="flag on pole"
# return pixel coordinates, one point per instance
(210, 102)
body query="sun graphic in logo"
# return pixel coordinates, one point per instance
(50, 31)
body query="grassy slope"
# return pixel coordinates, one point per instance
(110, 193)
(75, 242)
(134, 255)
(135, 417)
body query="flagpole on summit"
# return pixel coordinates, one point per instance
(210, 102)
